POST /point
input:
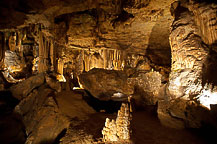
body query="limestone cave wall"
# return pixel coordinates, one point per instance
(159, 53)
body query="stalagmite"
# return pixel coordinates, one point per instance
(60, 67)
(119, 130)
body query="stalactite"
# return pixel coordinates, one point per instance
(1, 46)
(52, 55)
(6, 37)
(12, 42)
(41, 53)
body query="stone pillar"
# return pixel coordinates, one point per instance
(191, 39)
(1, 46)
(188, 55)
(119, 130)
(43, 54)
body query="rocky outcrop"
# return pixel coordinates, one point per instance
(102, 84)
(188, 54)
(148, 88)
(23, 89)
(41, 116)
(184, 105)
(53, 83)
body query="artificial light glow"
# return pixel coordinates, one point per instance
(118, 95)
(61, 78)
(207, 97)
(76, 88)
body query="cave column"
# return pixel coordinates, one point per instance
(188, 55)
(42, 53)
(1, 47)
(52, 55)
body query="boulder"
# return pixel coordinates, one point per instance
(41, 116)
(50, 123)
(168, 118)
(102, 83)
(22, 89)
(148, 87)
(181, 114)
(54, 84)
(72, 105)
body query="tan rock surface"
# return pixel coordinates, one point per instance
(102, 84)
(21, 90)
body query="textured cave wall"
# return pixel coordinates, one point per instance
(191, 47)
(102, 34)
(188, 54)
(69, 37)
(193, 44)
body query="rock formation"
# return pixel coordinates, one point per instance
(191, 50)
(118, 130)
(70, 63)
(102, 84)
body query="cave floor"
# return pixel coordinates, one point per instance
(146, 127)
(86, 125)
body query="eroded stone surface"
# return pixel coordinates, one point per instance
(41, 116)
(102, 84)
(21, 90)
(118, 130)
(191, 50)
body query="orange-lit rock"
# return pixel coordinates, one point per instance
(118, 130)
(102, 84)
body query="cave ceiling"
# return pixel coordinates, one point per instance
(136, 26)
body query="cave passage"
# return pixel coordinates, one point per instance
(108, 71)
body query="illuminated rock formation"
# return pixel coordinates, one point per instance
(162, 55)
(188, 54)
(102, 84)
(119, 130)
(191, 47)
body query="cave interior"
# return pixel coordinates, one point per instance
(108, 71)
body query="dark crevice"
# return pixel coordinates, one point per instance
(210, 69)
(121, 18)
(98, 105)
(60, 135)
